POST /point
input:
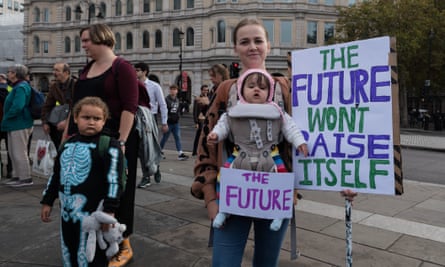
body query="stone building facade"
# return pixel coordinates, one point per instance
(149, 31)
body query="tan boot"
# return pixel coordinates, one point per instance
(123, 256)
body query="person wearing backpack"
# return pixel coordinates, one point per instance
(18, 124)
(86, 172)
(114, 80)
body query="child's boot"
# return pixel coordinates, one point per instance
(123, 256)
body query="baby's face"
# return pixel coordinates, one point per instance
(255, 92)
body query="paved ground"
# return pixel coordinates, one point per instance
(172, 227)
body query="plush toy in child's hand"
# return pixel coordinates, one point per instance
(113, 237)
(92, 225)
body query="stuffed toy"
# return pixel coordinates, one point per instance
(111, 238)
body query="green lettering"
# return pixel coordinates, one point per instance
(358, 184)
(351, 55)
(305, 163)
(373, 171)
(345, 172)
(333, 182)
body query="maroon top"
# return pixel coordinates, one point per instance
(117, 86)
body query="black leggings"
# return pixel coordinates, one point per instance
(125, 212)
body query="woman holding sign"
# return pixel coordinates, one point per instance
(252, 46)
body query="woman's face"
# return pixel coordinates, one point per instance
(87, 45)
(216, 78)
(252, 46)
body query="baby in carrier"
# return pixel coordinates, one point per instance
(255, 125)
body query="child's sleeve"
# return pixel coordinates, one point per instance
(114, 166)
(291, 131)
(51, 191)
(222, 127)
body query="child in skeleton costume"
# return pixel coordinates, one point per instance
(256, 124)
(86, 171)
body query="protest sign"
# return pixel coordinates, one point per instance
(256, 194)
(342, 98)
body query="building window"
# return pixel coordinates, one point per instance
(118, 7)
(36, 45)
(176, 4)
(176, 41)
(77, 44)
(328, 31)
(221, 31)
(67, 45)
(45, 47)
(145, 40)
(46, 15)
(286, 32)
(16, 6)
(313, 1)
(190, 37)
(351, 2)
(158, 5)
(158, 39)
(9, 4)
(129, 7)
(118, 45)
(269, 26)
(311, 32)
(91, 11)
(77, 15)
(129, 41)
(1, 3)
(190, 3)
(36, 14)
(68, 13)
(329, 2)
(103, 9)
(146, 6)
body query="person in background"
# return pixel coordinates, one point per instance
(157, 102)
(218, 73)
(60, 93)
(114, 80)
(83, 177)
(172, 101)
(200, 106)
(5, 88)
(18, 124)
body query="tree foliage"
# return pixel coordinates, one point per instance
(419, 27)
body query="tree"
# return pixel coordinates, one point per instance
(420, 34)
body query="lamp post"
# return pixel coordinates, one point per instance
(181, 37)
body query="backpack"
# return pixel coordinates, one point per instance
(36, 103)
(104, 144)
(144, 98)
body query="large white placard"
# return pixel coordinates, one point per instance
(341, 98)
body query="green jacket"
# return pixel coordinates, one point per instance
(16, 115)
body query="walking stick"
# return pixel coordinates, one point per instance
(349, 196)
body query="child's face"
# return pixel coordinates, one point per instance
(90, 120)
(255, 92)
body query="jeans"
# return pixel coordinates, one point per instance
(230, 240)
(174, 129)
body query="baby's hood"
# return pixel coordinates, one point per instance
(240, 83)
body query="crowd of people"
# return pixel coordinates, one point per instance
(79, 113)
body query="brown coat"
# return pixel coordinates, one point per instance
(56, 94)
(210, 155)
